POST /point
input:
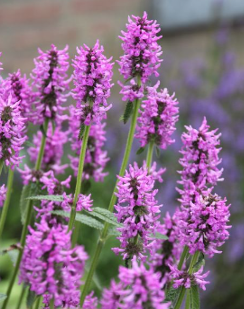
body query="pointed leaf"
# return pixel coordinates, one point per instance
(194, 297)
(54, 198)
(112, 231)
(128, 111)
(13, 254)
(172, 295)
(160, 236)
(82, 130)
(2, 297)
(81, 218)
(104, 215)
(140, 150)
(200, 262)
(23, 203)
(31, 296)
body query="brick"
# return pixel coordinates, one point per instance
(29, 13)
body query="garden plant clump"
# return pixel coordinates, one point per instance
(163, 255)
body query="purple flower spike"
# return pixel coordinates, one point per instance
(141, 49)
(11, 132)
(51, 267)
(53, 152)
(183, 278)
(3, 192)
(52, 83)
(137, 287)
(91, 302)
(204, 226)
(92, 79)
(95, 158)
(138, 211)
(21, 92)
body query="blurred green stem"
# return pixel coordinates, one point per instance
(150, 155)
(27, 219)
(23, 289)
(1, 166)
(104, 232)
(7, 200)
(79, 177)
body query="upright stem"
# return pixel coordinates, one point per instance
(150, 155)
(1, 166)
(104, 233)
(79, 176)
(23, 289)
(7, 200)
(183, 256)
(27, 220)
(51, 305)
(181, 297)
(38, 301)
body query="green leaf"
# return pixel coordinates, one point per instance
(128, 111)
(13, 254)
(157, 151)
(82, 130)
(81, 218)
(172, 295)
(194, 297)
(23, 203)
(160, 236)
(31, 296)
(112, 231)
(2, 297)
(104, 215)
(29, 144)
(54, 198)
(140, 150)
(200, 262)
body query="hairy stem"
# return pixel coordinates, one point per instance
(149, 155)
(7, 200)
(112, 201)
(27, 220)
(79, 176)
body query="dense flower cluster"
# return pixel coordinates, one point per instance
(138, 211)
(11, 132)
(53, 153)
(167, 252)
(138, 288)
(52, 83)
(183, 278)
(200, 161)
(3, 192)
(50, 266)
(91, 302)
(204, 227)
(92, 79)
(157, 119)
(95, 158)
(18, 87)
(141, 49)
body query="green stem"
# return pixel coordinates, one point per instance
(150, 155)
(182, 258)
(7, 200)
(112, 201)
(187, 304)
(79, 176)
(1, 166)
(38, 301)
(21, 296)
(193, 262)
(180, 298)
(75, 234)
(51, 304)
(27, 220)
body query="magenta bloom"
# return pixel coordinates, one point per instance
(91, 302)
(52, 83)
(51, 267)
(138, 288)
(204, 226)
(53, 152)
(3, 192)
(200, 161)
(18, 87)
(84, 202)
(11, 132)
(141, 49)
(96, 158)
(183, 278)
(92, 79)
(137, 210)
(167, 252)
(158, 117)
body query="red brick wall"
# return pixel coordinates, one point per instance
(26, 25)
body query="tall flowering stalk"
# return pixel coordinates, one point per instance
(92, 79)
(141, 59)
